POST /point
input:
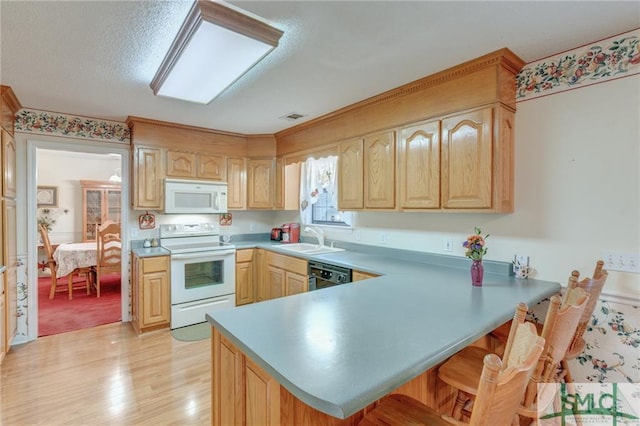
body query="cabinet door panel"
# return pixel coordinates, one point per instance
(275, 282)
(237, 184)
(8, 165)
(261, 184)
(155, 296)
(181, 164)
(11, 273)
(350, 175)
(420, 166)
(380, 170)
(262, 396)
(467, 160)
(148, 175)
(295, 283)
(262, 290)
(211, 167)
(244, 283)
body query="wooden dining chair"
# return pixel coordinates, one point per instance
(53, 267)
(109, 257)
(501, 387)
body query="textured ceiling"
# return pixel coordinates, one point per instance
(96, 58)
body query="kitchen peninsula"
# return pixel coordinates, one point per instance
(325, 356)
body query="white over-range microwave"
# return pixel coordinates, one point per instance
(194, 196)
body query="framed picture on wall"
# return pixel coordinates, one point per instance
(47, 196)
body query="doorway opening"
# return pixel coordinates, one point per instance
(71, 190)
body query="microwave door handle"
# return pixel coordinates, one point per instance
(200, 255)
(216, 203)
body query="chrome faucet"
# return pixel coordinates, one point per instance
(319, 233)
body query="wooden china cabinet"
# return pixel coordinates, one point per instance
(100, 202)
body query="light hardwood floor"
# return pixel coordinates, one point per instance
(107, 375)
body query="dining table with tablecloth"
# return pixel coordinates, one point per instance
(72, 256)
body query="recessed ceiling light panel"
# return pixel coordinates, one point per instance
(215, 46)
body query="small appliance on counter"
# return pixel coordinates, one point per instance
(290, 232)
(276, 234)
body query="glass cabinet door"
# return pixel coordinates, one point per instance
(93, 213)
(113, 205)
(100, 202)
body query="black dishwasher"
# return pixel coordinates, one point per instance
(322, 275)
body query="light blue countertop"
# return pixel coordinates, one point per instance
(341, 348)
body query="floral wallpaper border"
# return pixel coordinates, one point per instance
(608, 59)
(51, 123)
(612, 352)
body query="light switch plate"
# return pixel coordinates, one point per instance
(621, 261)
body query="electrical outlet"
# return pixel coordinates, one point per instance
(448, 244)
(252, 227)
(383, 237)
(522, 259)
(621, 261)
(358, 235)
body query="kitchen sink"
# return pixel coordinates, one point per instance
(307, 248)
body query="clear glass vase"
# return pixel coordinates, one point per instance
(477, 273)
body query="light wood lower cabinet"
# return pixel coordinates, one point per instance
(286, 275)
(260, 265)
(10, 259)
(242, 393)
(150, 293)
(268, 275)
(245, 277)
(3, 342)
(359, 275)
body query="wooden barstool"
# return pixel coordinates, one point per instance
(593, 286)
(500, 390)
(461, 371)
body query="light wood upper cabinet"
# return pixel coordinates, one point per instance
(148, 174)
(279, 194)
(419, 166)
(212, 167)
(8, 165)
(467, 160)
(350, 175)
(193, 165)
(237, 183)
(181, 164)
(379, 170)
(260, 183)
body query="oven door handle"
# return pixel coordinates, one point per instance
(199, 255)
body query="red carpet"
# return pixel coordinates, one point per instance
(60, 314)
